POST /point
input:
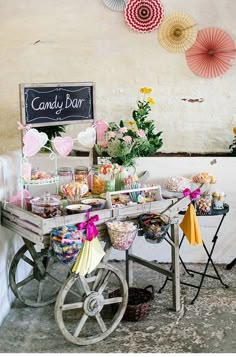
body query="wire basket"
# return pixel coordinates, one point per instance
(139, 302)
(121, 238)
(67, 242)
(155, 226)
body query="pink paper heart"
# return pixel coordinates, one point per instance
(33, 141)
(87, 138)
(63, 145)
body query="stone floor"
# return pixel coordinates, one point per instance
(207, 326)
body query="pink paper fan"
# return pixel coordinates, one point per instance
(144, 15)
(212, 54)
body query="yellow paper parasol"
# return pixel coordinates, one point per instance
(90, 256)
(177, 32)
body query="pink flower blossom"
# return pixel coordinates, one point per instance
(123, 130)
(127, 139)
(141, 133)
(105, 144)
(111, 134)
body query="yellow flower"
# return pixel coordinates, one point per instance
(234, 130)
(146, 90)
(131, 124)
(151, 101)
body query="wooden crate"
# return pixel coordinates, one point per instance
(36, 228)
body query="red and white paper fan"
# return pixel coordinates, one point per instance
(212, 54)
(144, 15)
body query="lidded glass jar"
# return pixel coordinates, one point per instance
(65, 175)
(81, 174)
(46, 206)
(97, 182)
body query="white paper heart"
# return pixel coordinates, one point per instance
(43, 138)
(87, 138)
(33, 142)
(63, 145)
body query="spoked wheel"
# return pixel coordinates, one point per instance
(85, 310)
(33, 276)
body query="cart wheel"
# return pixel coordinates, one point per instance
(33, 276)
(84, 310)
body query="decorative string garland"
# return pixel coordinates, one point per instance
(33, 140)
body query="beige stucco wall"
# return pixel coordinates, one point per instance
(81, 40)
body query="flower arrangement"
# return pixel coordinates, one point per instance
(232, 146)
(135, 137)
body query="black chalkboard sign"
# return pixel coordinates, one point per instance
(47, 104)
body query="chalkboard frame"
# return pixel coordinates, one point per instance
(24, 86)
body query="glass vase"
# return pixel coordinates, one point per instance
(110, 185)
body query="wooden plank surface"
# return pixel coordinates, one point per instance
(37, 239)
(23, 223)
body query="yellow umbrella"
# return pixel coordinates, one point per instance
(177, 32)
(190, 226)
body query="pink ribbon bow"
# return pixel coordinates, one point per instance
(91, 229)
(22, 127)
(193, 195)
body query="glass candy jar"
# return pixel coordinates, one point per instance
(97, 182)
(81, 174)
(46, 206)
(65, 175)
(203, 204)
(218, 200)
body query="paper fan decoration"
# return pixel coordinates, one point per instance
(144, 15)
(178, 32)
(116, 5)
(212, 54)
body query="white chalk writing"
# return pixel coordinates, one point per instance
(56, 104)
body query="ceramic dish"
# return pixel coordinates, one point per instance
(96, 203)
(78, 208)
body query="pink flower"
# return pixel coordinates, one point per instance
(141, 133)
(127, 139)
(123, 130)
(105, 144)
(111, 134)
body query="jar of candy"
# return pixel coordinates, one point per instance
(97, 182)
(218, 200)
(46, 206)
(65, 175)
(203, 205)
(81, 174)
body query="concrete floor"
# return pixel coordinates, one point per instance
(207, 326)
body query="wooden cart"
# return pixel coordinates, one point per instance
(85, 311)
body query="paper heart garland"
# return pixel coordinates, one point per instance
(63, 145)
(33, 141)
(87, 138)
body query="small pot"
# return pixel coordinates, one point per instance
(78, 208)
